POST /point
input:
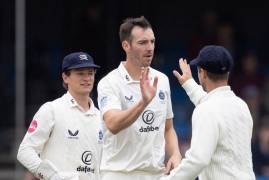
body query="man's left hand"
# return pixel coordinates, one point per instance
(172, 163)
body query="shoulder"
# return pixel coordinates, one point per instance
(96, 110)
(206, 108)
(55, 104)
(162, 78)
(159, 74)
(114, 74)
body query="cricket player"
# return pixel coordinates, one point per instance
(135, 103)
(64, 139)
(221, 122)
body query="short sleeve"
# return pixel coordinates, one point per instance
(170, 113)
(108, 98)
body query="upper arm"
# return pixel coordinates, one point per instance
(205, 135)
(168, 124)
(169, 110)
(108, 98)
(40, 128)
(35, 138)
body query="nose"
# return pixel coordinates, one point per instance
(88, 77)
(150, 46)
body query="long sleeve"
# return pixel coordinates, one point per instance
(203, 144)
(194, 91)
(35, 139)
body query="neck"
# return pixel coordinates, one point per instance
(133, 70)
(81, 99)
(213, 85)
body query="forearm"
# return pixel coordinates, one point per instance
(171, 140)
(28, 157)
(189, 168)
(194, 91)
(117, 120)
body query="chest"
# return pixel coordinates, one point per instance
(76, 126)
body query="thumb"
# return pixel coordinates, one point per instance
(155, 82)
(177, 75)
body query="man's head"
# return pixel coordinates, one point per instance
(214, 64)
(138, 41)
(78, 72)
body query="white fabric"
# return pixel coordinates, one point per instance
(141, 146)
(46, 170)
(62, 133)
(221, 138)
(129, 176)
(65, 176)
(194, 91)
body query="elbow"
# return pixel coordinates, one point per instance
(203, 163)
(113, 124)
(20, 154)
(113, 129)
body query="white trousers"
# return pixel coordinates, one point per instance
(110, 175)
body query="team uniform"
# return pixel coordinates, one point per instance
(221, 137)
(138, 151)
(65, 136)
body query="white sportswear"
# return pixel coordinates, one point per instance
(221, 137)
(141, 146)
(63, 139)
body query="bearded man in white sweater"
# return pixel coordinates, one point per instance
(221, 122)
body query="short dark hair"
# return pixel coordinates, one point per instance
(67, 73)
(217, 77)
(128, 24)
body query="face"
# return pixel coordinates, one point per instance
(141, 48)
(80, 81)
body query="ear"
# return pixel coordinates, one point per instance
(204, 73)
(64, 76)
(125, 45)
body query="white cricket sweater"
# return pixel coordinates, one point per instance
(221, 137)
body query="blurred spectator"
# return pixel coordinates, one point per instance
(249, 76)
(260, 149)
(225, 37)
(205, 33)
(265, 97)
(248, 84)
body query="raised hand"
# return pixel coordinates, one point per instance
(148, 91)
(186, 71)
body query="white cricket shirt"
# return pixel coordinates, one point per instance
(65, 135)
(221, 137)
(141, 146)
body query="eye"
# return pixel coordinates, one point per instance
(80, 73)
(91, 73)
(142, 42)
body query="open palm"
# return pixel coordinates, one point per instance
(148, 91)
(186, 71)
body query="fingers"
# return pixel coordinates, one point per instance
(177, 75)
(183, 64)
(185, 69)
(144, 73)
(168, 167)
(155, 82)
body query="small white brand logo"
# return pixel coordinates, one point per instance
(83, 57)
